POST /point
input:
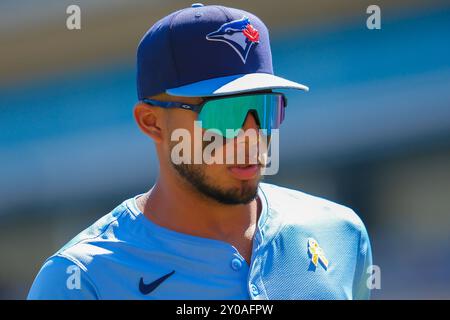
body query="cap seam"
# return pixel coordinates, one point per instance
(171, 46)
(225, 12)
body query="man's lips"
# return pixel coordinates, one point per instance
(244, 172)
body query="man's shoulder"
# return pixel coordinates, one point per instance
(297, 207)
(78, 263)
(98, 239)
(301, 224)
(85, 258)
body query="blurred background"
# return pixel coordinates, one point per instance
(373, 133)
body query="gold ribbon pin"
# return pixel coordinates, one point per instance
(317, 254)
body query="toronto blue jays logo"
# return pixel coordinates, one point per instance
(239, 34)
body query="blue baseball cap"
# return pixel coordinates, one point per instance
(204, 51)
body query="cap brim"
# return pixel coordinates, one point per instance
(235, 84)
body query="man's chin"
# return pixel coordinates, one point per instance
(242, 192)
(233, 192)
(243, 195)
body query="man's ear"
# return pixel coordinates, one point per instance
(149, 120)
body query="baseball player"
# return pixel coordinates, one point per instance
(211, 230)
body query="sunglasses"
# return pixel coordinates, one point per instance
(229, 112)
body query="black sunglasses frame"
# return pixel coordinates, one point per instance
(198, 107)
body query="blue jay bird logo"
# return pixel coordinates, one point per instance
(239, 34)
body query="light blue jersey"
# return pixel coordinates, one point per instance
(304, 247)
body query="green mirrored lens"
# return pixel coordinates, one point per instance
(230, 113)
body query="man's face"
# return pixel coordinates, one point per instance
(228, 182)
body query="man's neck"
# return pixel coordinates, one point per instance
(191, 213)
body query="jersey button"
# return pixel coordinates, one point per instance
(236, 264)
(254, 290)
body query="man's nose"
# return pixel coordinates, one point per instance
(248, 138)
(250, 122)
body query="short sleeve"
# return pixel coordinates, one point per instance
(361, 290)
(62, 279)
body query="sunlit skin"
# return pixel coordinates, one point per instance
(176, 204)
